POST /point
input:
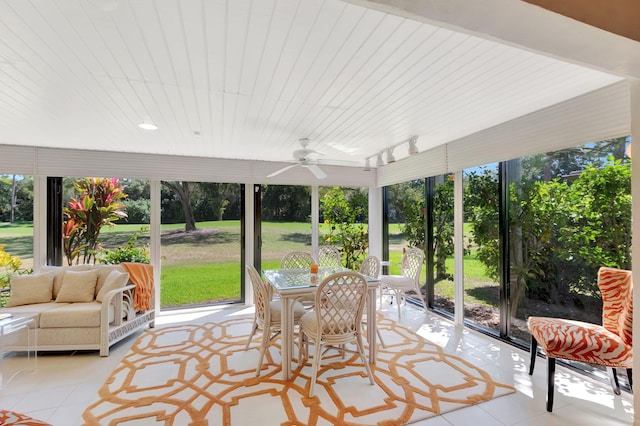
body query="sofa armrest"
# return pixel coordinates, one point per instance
(122, 301)
(126, 320)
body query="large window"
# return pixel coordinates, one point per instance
(286, 222)
(482, 246)
(105, 220)
(405, 219)
(343, 222)
(200, 243)
(570, 214)
(16, 226)
(441, 245)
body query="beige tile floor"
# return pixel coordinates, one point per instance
(64, 384)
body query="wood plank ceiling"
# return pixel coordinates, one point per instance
(246, 79)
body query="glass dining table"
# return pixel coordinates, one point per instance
(290, 284)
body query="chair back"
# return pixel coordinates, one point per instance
(260, 297)
(616, 286)
(412, 262)
(329, 256)
(370, 266)
(339, 305)
(296, 260)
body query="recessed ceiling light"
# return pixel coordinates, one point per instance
(148, 126)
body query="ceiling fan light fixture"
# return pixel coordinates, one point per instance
(390, 157)
(413, 148)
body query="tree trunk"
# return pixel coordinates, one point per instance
(13, 199)
(184, 195)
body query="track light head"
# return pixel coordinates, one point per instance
(367, 165)
(390, 157)
(413, 147)
(379, 162)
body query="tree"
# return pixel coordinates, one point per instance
(350, 237)
(443, 225)
(561, 230)
(287, 203)
(98, 204)
(16, 198)
(183, 190)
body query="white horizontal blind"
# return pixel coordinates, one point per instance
(601, 114)
(592, 117)
(19, 160)
(69, 162)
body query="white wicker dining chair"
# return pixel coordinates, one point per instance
(296, 260)
(371, 268)
(409, 280)
(336, 320)
(267, 315)
(329, 256)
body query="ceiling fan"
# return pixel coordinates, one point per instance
(303, 158)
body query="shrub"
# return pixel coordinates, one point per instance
(127, 253)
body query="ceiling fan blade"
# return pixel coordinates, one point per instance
(282, 170)
(317, 171)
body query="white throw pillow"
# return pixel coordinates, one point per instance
(114, 280)
(78, 286)
(28, 289)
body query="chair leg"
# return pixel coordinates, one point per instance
(254, 327)
(613, 379)
(301, 350)
(534, 354)
(263, 347)
(551, 375)
(316, 363)
(422, 299)
(398, 302)
(630, 377)
(380, 337)
(363, 357)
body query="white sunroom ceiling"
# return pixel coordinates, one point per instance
(242, 79)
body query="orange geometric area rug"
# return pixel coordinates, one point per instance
(201, 375)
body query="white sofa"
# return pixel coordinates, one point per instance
(83, 307)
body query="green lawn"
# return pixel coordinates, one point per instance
(204, 266)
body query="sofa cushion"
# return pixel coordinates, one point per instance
(78, 286)
(27, 289)
(59, 274)
(114, 280)
(72, 315)
(103, 273)
(33, 309)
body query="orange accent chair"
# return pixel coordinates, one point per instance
(609, 344)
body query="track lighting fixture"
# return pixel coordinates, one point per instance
(413, 148)
(390, 157)
(367, 165)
